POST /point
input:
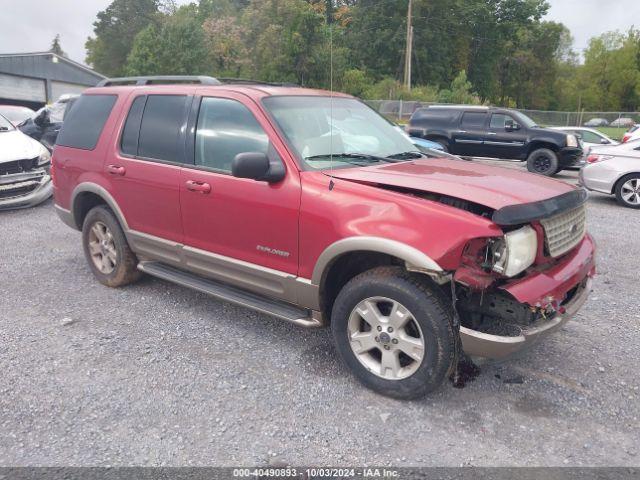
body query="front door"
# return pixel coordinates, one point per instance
(238, 230)
(505, 137)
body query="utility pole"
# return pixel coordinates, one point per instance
(409, 48)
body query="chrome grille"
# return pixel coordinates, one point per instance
(564, 231)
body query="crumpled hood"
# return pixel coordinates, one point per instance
(494, 187)
(15, 145)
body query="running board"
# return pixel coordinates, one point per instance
(275, 308)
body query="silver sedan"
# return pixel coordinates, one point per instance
(615, 171)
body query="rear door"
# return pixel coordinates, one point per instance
(144, 170)
(501, 140)
(469, 138)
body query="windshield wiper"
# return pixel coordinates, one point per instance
(359, 156)
(414, 154)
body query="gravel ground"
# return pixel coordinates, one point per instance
(155, 374)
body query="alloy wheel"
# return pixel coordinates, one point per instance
(102, 248)
(541, 163)
(630, 191)
(385, 338)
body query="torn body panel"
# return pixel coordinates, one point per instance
(497, 322)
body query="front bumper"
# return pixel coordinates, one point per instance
(12, 196)
(570, 156)
(540, 289)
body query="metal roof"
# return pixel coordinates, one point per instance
(48, 65)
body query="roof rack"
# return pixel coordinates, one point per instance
(159, 80)
(247, 81)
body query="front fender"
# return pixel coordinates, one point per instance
(394, 248)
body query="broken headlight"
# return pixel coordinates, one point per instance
(44, 158)
(515, 251)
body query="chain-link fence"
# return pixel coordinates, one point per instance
(400, 111)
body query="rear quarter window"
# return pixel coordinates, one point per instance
(84, 124)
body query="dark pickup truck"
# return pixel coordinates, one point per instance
(496, 133)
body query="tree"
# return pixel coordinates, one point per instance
(460, 92)
(286, 41)
(115, 30)
(172, 46)
(56, 47)
(226, 47)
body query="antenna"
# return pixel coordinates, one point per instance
(331, 106)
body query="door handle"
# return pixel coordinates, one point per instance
(462, 131)
(200, 187)
(491, 133)
(116, 169)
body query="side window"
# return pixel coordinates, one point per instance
(160, 130)
(589, 137)
(129, 140)
(473, 119)
(226, 128)
(499, 120)
(85, 122)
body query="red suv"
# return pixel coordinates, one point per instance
(309, 206)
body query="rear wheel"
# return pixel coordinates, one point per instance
(394, 332)
(106, 249)
(543, 162)
(627, 190)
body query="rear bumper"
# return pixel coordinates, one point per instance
(540, 289)
(34, 197)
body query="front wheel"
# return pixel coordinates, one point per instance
(627, 190)
(393, 330)
(443, 143)
(543, 162)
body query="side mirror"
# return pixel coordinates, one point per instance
(257, 166)
(511, 126)
(604, 141)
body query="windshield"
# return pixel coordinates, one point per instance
(5, 125)
(16, 115)
(318, 127)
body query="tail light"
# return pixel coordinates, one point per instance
(598, 158)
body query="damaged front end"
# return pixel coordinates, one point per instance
(510, 291)
(25, 183)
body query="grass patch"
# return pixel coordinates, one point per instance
(613, 132)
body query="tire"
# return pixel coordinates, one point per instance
(429, 322)
(106, 249)
(543, 162)
(444, 143)
(627, 191)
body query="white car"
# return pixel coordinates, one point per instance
(590, 137)
(24, 169)
(615, 171)
(632, 134)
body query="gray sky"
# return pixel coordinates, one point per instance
(30, 25)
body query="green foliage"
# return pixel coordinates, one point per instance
(114, 30)
(465, 51)
(461, 92)
(175, 45)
